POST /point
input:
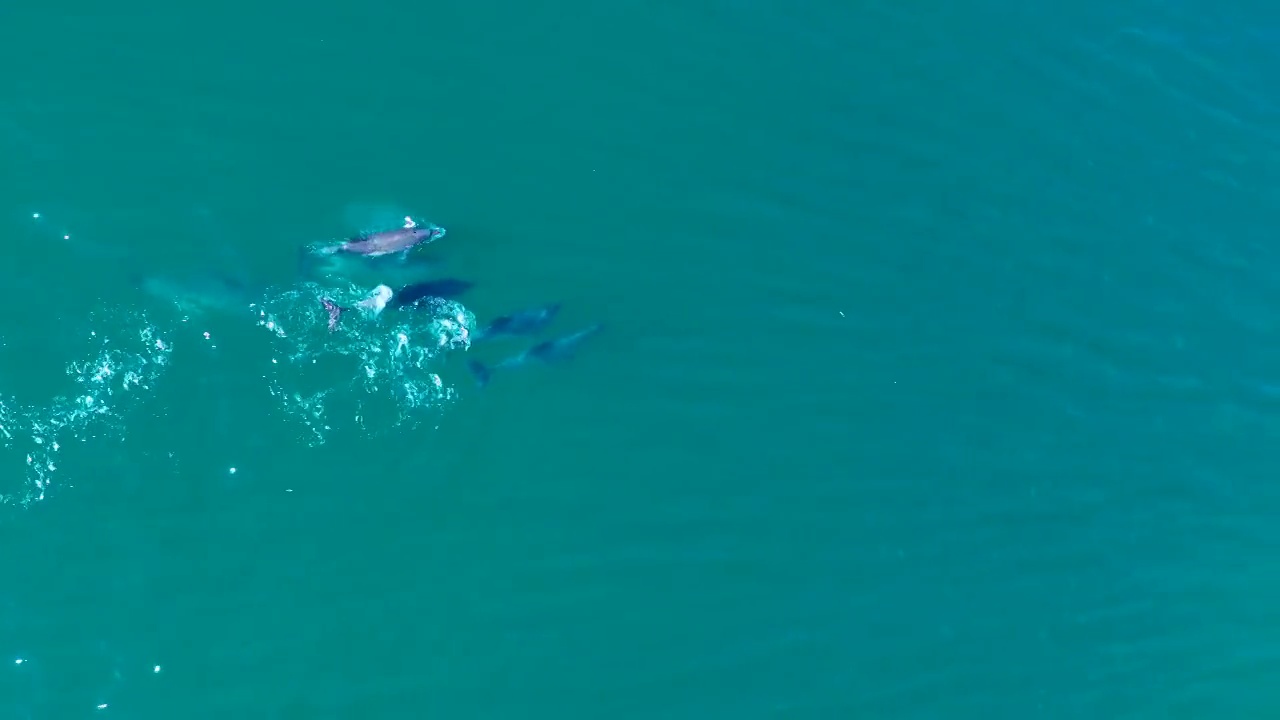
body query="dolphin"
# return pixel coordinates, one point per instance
(413, 293)
(199, 292)
(525, 322)
(547, 351)
(383, 296)
(373, 304)
(386, 242)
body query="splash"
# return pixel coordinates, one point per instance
(372, 373)
(121, 357)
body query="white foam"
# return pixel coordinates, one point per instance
(372, 374)
(379, 371)
(123, 356)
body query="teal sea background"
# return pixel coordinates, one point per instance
(939, 376)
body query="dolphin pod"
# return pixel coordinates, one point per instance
(366, 249)
(554, 350)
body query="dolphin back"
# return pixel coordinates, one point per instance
(525, 322)
(447, 288)
(547, 351)
(562, 347)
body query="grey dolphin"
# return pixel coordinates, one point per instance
(547, 351)
(386, 242)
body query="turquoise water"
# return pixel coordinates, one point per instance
(937, 377)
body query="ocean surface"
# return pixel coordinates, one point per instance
(939, 374)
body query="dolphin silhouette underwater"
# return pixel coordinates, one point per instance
(524, 322)
(198, 292)
(414, 293)
(547, 351)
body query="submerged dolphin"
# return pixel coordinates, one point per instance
(525, 322)
(198, 292)
(386, 242)
(547, 351)
(447, 288)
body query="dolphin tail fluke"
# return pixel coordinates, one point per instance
(480, 371)
(329, 249)
(335, 312)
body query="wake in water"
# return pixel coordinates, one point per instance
(372, 375)
(370, 372)
(122, 357)
(334, 357)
